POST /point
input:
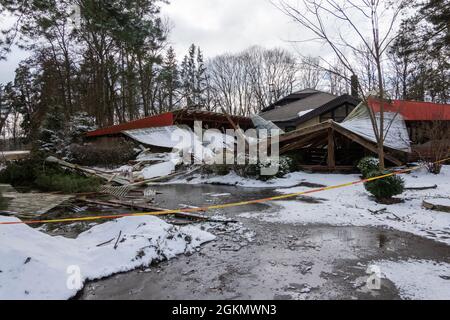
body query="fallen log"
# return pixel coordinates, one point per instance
(422, 188)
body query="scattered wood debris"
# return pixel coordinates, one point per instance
(32, 205)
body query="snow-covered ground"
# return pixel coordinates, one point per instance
(35, 265)
(418, 279)
(353, 206)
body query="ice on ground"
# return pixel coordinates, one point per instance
(418, 279)
(35, 265)
(232, 179)
(219, 195)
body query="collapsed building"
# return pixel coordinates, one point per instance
(339, 146)
(323, 132)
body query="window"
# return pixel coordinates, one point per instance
(289, 128)
(326, 117)
(340, 113)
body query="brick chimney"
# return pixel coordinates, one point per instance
(354, 86)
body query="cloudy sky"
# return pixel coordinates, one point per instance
(220, 26)
(217, 26)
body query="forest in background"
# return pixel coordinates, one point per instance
(110, 61)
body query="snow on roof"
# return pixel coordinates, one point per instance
(395, 131)
(302, 113)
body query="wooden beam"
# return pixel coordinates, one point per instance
(320, 142)
(326, 168)
(304, 131)
(298, 143)
(331, 156)
(366, 144)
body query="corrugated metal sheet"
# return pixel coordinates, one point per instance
(182, 116)
(415, 110)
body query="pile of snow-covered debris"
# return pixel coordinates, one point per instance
(182, 145)
(34, 265)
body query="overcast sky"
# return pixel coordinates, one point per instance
(220, 26)
(217, 26)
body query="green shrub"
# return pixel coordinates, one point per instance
(384, 189)
(286, 165)
(368, 165)
(34, 173)
(107, 155)
(67, 183)
(3, 202)
(20, 173)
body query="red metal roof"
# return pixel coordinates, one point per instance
(161, 120)
(177, 117)
(415, 110)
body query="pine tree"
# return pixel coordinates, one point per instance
(188, 76)
(200, 81)
(170, 79)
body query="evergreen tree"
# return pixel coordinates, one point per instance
(170, 80)
(194, 78)
(201, 83)
(421, 53)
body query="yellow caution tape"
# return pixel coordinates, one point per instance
(220, 206)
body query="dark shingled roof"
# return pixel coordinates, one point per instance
(291, 98)
(288, 108)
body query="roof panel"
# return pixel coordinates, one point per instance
(290, 111)
(415, 110)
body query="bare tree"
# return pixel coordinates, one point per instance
(434, 144)
(341, 24)
(273, 74)
(246, 82)
(311, 74)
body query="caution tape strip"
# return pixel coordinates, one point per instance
(220, 206)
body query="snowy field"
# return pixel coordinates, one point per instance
(34, 265)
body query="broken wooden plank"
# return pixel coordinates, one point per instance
(34, 204)
(100, 203)
(143, 206)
